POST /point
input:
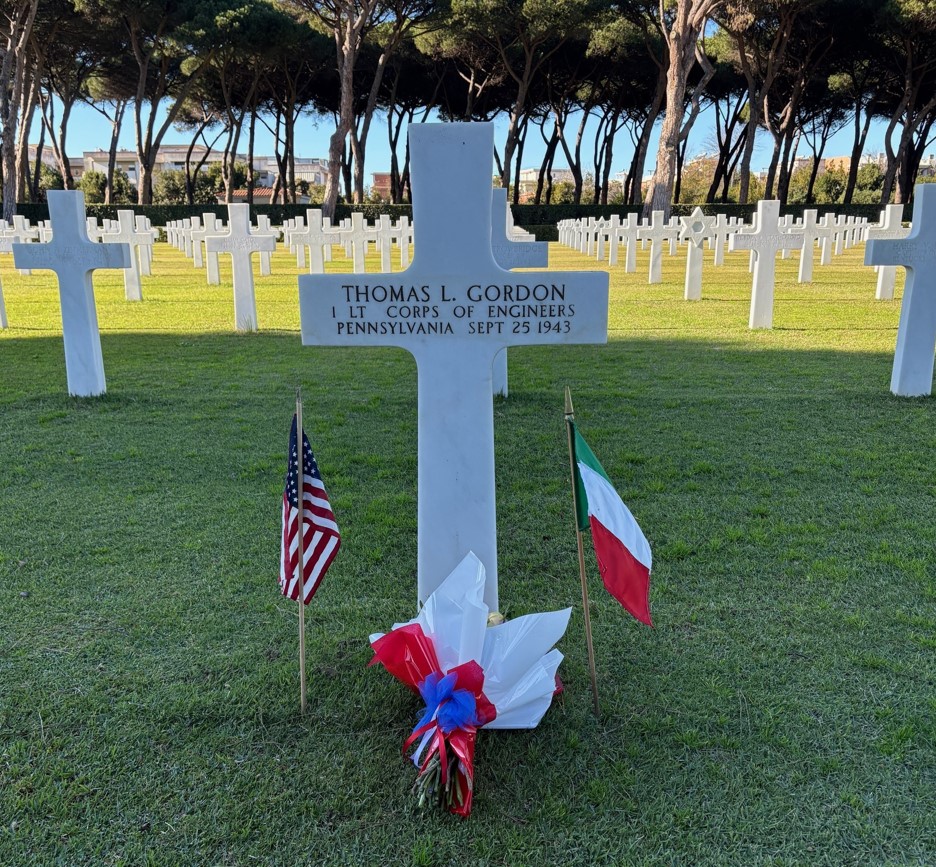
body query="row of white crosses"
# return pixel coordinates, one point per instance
(355, 234)
(603, 238)
(455, 308)
(314, 235)
(139, 235)
(765, 241)
(778, 235)
(458, 283)
(136, 233)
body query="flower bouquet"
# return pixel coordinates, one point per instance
(470, 676)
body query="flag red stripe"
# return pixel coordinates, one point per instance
(624, 576)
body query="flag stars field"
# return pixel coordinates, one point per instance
(780, 711)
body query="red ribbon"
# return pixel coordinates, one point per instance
(409, 655)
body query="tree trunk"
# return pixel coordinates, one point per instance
(357, 152)
(15, 68)
(47, 107)
(251, 138)
(120, 108)
(35, 192)
(858, 144)
(514, 125)
(289, 124)
(688, 20)
(892, 157)
(643, 141)
(772, 168)
(518, 165)
(405, 189)
(910, 166)
(346, 173)
(189, 176)
(24, 182)
(611, 130)
(787, 160)
(664, 175)
(347, 50)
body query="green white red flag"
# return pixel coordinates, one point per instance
(622, 550)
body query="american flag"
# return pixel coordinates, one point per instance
(320, 536)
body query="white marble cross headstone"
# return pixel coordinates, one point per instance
(657, 232)
(241, 245)
(196, 238)
(627, 231)
(209, 229)
(766, 241)
(93, 229)
(6, 246)
(812, 230)
(454, 309)
(291, 237)
(22, 233)
(675, 229)
(185, 236)
(912, 375)
(265, 228)
(312, 235)
(720, 232)
(403, 231)
(148, 237)
(787, 224)
(509, 255)
(696, 229)
(127, 234)
(73, 257)
(385, 242)
(358, 235)
(840, 232)
(890, 229)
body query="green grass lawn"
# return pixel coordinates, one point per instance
(783, 710)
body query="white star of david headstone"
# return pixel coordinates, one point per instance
(696, 229)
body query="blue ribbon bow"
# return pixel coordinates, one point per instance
(450, 708)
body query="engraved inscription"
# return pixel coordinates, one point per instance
(767, 242)
(384, 309)
(912, 252)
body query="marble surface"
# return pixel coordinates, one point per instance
(73, 257)
(912, 373)
(454, 309)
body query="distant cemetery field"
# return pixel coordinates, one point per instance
(781, 711)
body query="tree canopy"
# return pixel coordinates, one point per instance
(580, 76)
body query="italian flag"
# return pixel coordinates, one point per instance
(621, 548)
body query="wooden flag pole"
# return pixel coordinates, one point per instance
(570, 417)
(300, 564)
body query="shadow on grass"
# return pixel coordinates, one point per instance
(35, 366)
(780, 712)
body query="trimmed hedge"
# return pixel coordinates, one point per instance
(531, 217)
(161, 214)
(538, 215)
(542, 231)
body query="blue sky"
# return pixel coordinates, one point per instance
(88, 131)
